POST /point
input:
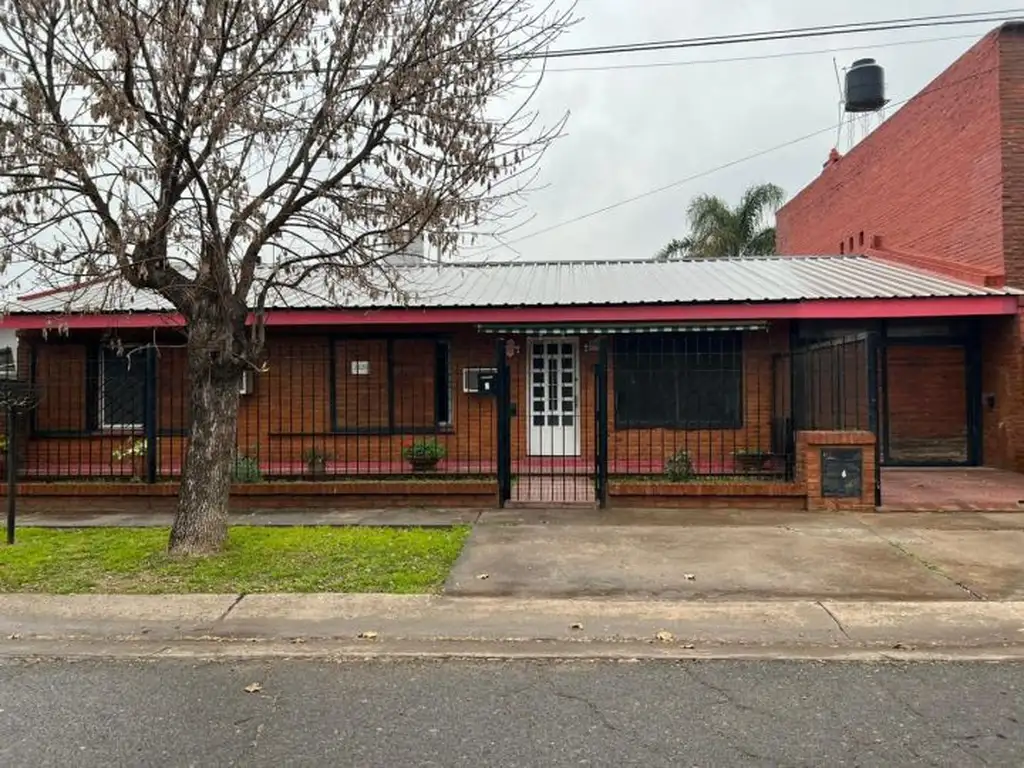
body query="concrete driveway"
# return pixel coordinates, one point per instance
(756, 555)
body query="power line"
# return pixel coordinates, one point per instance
(756, 57)
(793, 33)
(710, 171)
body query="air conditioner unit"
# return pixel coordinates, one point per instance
(246, 386)
(474, 380)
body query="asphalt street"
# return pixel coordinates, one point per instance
(451, 713)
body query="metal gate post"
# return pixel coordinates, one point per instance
(601, 431)
(873, 405)
(503, 428)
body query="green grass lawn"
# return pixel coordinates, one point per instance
(134, 561)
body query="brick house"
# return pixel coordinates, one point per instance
(939, 186)
(613, 378)
(683, 383)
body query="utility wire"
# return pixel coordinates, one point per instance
(793, 33)
(710, 171)
(755, 57)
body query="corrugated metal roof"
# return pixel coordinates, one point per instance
(551, 283)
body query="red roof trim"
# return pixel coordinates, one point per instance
(838, 309)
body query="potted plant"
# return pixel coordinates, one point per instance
(133, 452)
(679, 467)
(749, 461)
(316, 460)
(423, 455)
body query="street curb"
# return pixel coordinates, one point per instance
(445, 650)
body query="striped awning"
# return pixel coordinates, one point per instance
(607, 330)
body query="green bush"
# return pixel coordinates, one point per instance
(679, 467)
(246, 470)
(424, 450)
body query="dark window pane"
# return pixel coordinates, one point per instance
(538, 378)
(538, 392)
(567, 349)
(538, 363)
(552, 349)
(538, 405)
(682, 381)
(567, 391)
(122, 390)
(567, 377)
(552, 421)
(567, 406)
(568, 421)
(443, 383)
(538, 421)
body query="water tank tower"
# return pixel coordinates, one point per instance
(865, 87)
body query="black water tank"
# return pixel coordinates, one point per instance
(865, 86)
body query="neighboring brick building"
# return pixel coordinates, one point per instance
(939, 186)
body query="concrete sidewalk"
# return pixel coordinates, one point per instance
(491, 626)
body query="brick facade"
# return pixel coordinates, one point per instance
(361, 424)
(926, 185)
(939, 186)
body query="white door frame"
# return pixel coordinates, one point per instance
(553, 440)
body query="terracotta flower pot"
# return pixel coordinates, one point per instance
(423, 464)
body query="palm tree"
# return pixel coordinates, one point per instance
(718, 231)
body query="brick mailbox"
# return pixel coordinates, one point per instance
(837, 469)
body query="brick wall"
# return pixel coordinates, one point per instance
(928, 181)
(290, 410)
(1011, 90)
(1002, 376)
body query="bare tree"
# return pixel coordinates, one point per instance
(168, 145)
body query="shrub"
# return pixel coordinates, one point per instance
(424, 450)
(679, 467)
(246, 469)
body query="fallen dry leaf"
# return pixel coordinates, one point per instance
(483, 576)
(665, 636)
(688, 646)
(253, 688)
(690, 576)
(14, 637)
(575, 625)
(298, 640)
(368, 635)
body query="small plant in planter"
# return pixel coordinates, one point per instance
(749, 461)
(246, 469)
(679, 467)
(133, 451)
(316, 459)
(424, 455)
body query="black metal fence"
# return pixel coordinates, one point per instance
(550, 419)
(321, 409)
(830, 386)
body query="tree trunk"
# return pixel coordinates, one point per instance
(201, 523)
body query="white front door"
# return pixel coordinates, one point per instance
(553, 394)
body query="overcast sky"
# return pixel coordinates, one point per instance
(634, 130)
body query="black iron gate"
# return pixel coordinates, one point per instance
(552, 447)
(829, 385)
